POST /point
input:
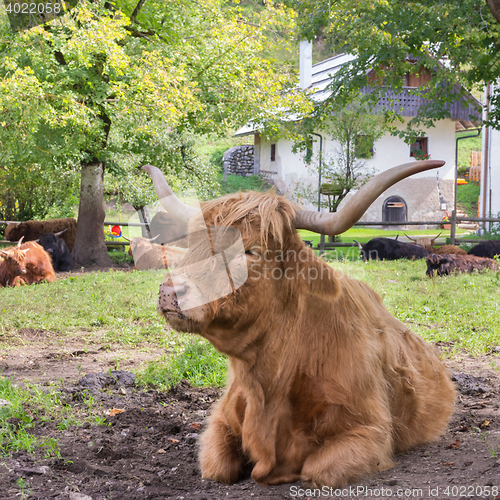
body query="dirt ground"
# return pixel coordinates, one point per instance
(149, 450)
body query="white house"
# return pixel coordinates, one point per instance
(422, 197)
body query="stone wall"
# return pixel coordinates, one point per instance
(239, 161)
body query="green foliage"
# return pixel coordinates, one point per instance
(465, 146)
(99, 85)
(353, 131)
(391, 35)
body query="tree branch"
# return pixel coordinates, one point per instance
(138, 7)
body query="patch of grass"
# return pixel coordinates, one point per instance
(235, 183)
(117, 306)
(461, 310)
(465, 146)
(23, 406)
(197, 362)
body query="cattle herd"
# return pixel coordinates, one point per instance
(325, 385)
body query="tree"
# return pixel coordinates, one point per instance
(397, 37)
(354, 130)
(111, 79)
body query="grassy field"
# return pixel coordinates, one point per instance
(459, 312)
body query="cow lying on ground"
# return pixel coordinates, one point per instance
(25, 264)
(58, 250)
(325, 384)
(149, 255)
(428, 244)
(449, 264)
(388, 249)
(488, 249)
(427, 241)
(33, 229)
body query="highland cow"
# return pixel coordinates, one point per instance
(388, 249)
(489, 249)
(33, 229)
(25, 264)
(58, 250)
(149, 255)
(325, 384)
(449, 264)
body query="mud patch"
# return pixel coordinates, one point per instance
(147, 449)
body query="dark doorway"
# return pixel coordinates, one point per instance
(394, 210)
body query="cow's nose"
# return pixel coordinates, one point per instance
(23, 271)
(170, 295)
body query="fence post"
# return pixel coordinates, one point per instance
(453, 226)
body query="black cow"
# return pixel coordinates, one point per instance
(58, 250)
(388, 249)
(488, 249)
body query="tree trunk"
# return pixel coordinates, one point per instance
(494, 6)
(90, 248)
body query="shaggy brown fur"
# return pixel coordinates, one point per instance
(26, 264)
(449, 250)
(12, 266)
(33, 229)
(149, 255)
(449, 264)
(325, 384)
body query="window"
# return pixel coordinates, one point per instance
(420, 148)
(394, 210)
(273, 152)
(364, 147)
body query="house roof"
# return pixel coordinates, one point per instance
(404, 103)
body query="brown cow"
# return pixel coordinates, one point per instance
(27, 263)
(449, 264)
(33, 229)
(428, 244)
(149, 255)
(325, 384)
(449, 250)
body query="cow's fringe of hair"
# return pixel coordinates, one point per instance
(272, 214)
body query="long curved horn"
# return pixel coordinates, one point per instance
(435, 238)
(410, 238)
(172, 205)
(360, 246)
(336, 223)
(20, 241)
(60, 232)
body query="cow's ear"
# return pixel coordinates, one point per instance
(319, 278)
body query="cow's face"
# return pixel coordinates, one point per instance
(252, 269)
(15, 260)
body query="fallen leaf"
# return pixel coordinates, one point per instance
(161, 451)
(115, 411)
(195, 425)
(485, 423)
(172, 440)
(449, 464)
(456, 444)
